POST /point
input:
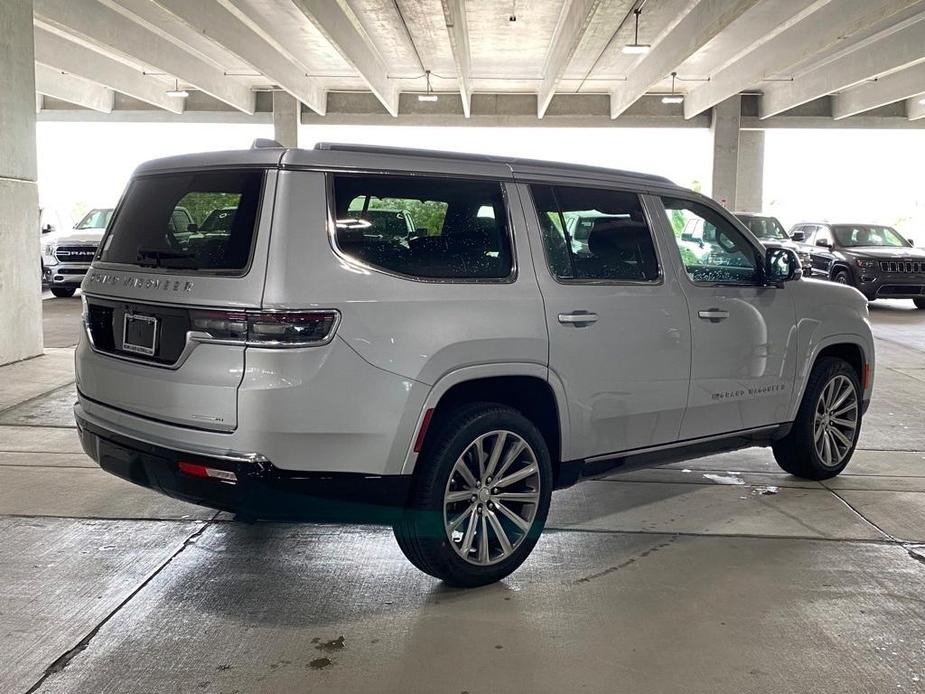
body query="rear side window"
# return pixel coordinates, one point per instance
(434, 228)
(595, 234)
(187, 221)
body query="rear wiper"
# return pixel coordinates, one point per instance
(159, 256)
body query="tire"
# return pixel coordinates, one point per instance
(841, 276)
(800, 453)
(425, 532)
(63, 292)
(919, 304)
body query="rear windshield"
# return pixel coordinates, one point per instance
(187, 221)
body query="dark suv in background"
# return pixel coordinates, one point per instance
(872, 258)
(770, 232)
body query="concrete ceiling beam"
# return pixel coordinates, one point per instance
(117, 34)
(54, 83)
(703, 22)
(818, 26)
(894, 87)
(57, 52)
(457, 27)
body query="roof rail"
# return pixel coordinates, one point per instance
(461, 156)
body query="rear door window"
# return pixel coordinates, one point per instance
(595, 234)
(434, 228)
(187, 221)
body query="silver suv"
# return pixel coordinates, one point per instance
(306, 362)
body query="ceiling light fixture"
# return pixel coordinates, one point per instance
(673, 98)
(176, 91)
(922, 101)
(429, 94)
(636, 48)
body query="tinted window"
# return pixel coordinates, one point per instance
(765, 228)
(424, 227)
(712, 250)
(595, 234)
(187, 221)
(850, 235)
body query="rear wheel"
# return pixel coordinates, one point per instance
(63, 292)
(825, 431)
(481, 495)
(920, 304)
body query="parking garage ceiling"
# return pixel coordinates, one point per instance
(813, 62)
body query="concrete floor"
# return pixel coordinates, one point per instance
(690, 578)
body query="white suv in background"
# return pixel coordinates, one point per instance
(306, 362)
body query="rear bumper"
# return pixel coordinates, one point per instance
(260, 490)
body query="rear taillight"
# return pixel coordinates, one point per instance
(266, 328)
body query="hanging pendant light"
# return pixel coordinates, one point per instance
(673, 98)
(636, 48)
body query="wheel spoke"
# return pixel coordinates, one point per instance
(820, 428)
(853, 405)
(455, 523)
(483, 541)
(846, 423)
(840, 437)
(496, 450)
(827, 394)
(521, 474)
(510, 457)
(480, 456)
(498, 529)
(826, 449)
(843, 394)
(521, 523)
(470, 532)
(456, 497)
(523, 497)
(465, 472)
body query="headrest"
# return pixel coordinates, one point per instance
(612, 235)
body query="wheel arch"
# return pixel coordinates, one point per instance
(529, 388)
(853, 349)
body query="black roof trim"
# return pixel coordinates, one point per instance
(487, 158)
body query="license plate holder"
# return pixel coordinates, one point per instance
(139, 334)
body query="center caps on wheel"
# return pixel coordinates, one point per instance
(484, 494)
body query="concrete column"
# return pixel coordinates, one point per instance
(750, 174)
(20, 281)
(725, 128)
(286, 114)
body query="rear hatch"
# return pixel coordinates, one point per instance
(184, 246)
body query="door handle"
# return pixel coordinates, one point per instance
(714, 315)
(579, 319)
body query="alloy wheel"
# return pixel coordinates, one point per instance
(836, 421)
(491, 497)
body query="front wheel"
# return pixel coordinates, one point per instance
(63, 292)
(841, 276)
(481, 495)
(919, 304)
(825, 431)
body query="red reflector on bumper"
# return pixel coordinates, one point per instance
(196, 470)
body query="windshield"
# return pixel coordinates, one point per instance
(95, 219)
(853, 235)
(765, 228)
(188, 221)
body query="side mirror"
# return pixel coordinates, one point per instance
(823, 243)
(48, 228)
(911, 242)
(781, 265)
(798, 236)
